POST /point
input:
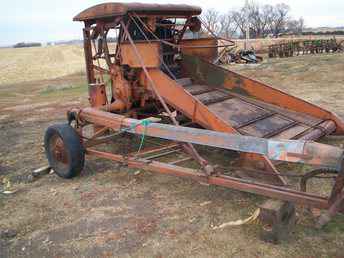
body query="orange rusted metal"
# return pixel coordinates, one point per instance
(154, 71)
(226, 181)
(295, 151)
(149, 53)
(109, 10)
(209, 54)
(248, 87)
(97, 93)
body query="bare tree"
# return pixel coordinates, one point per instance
(261, 20)
(301, 25)
(240, 19)
(254, 18)
(227, 25)
(212, 20)
(268, 16)
(279, 19)
(296, 26)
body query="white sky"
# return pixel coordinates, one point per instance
(44, 20)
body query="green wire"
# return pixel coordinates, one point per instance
(145, 123)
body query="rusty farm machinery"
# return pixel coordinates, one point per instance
(304, 47)
(230, 55)
(155, 84)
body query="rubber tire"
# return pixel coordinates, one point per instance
(74, 150)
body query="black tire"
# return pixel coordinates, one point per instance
(64, 150)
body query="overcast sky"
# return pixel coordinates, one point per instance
(43, 20)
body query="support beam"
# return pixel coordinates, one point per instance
(88, 54)
(271, 191)
(311, 153)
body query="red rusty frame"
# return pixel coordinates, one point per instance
(272, 191)
(277, 192)
(170, 94)
(188, 147)
(116, 122)
(307, 152)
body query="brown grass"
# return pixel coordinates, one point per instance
(30, 64)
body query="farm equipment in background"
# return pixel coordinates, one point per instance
(155, 84)
(304, 47)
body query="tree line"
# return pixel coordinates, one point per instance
(261, 20)
(30, 44)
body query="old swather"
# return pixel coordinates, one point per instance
(156, 82)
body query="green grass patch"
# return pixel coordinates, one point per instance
(60, 90)
(336, 225)
(7, 94)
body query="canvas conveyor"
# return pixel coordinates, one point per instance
(256, 118)
(244, 114)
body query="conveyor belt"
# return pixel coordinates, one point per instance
(249, 116)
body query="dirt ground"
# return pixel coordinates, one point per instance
(113, 211)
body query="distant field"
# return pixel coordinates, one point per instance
(31, 64)
(40, 63)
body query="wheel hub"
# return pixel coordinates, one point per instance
(59, 151)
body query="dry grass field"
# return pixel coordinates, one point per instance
(32, 64)
(113, 211)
